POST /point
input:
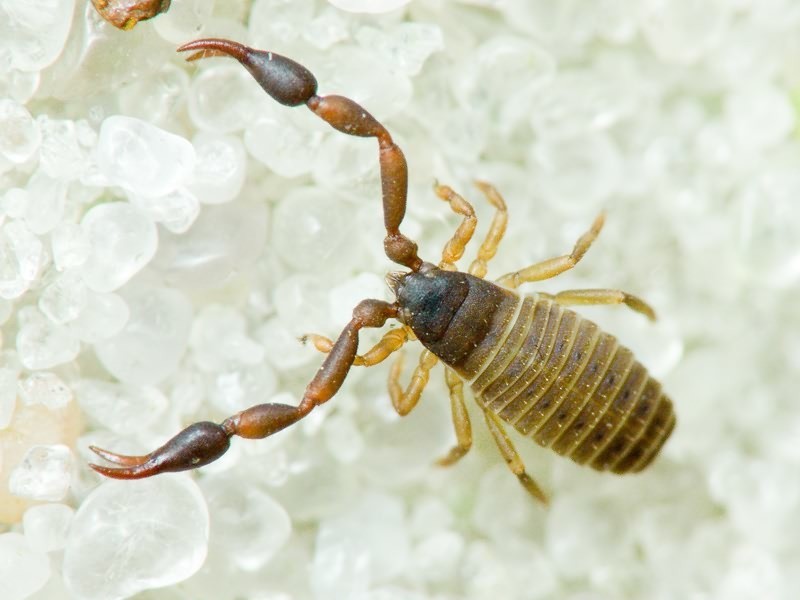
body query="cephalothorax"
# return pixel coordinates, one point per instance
(530, 361)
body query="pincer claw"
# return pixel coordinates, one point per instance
(195, 446)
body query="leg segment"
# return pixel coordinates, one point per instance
(586, 297)
(202, 443)
(460, 419)
(292, 84)
(511, 457)
(554, 266)
(454, 249)
(496, 230)
(391, 342)
(405, 401)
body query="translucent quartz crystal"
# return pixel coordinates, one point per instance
(142, 158)
(235, 389)
(310, 227)
(119, 407)
(23, 570)
(279, 21)
(20, 258)
(129, 536)
(369, 6)
(65, 147)
(578, 541)
(513, 568)
(429, 514)
(343, 298)
(9, 372)
(760, 497)
(18, 85)
(45, 203)
(6, 307)
(300, 301)
(281, 346)
(70, 245)
(14, 202)
(365, 544)
(577, 174)
(406, 45)
(46, 388)
(326, 28)
(103, 316)
(176, 210)
(674, 32)
(184, 20)
(43, 344)
(64, 298)
(577, 100)
(759, 116)
(279, 143)
(35, 34)
(19, 133)
(437, 557)
(343, 438)
(224, 241)
(45, 473)
(153, 340)
(32, 425)
(220, 169)
(499, 509)
(249, 527)
(753, 572)
(514, 69)
(219, 340)
(122, 241)
(368, 81)
(401, 450)
(46, 526)
(223, 98)
(768, 222)
(394, 592)
(343, 161)
(155, 98)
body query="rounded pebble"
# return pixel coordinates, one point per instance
(122, 241)
(47, 525)
(130, 536)
(23, 570)
(142, 158)
(150, 346)
(19, 133)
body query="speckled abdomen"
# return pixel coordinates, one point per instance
(559, 379)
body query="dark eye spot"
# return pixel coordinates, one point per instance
(561, 415)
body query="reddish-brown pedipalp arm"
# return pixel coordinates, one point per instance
(292, 84)
(204, 442)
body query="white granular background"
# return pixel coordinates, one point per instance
(168, 232)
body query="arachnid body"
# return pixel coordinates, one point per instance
(532, 363)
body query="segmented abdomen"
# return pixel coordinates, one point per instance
(561, 380)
